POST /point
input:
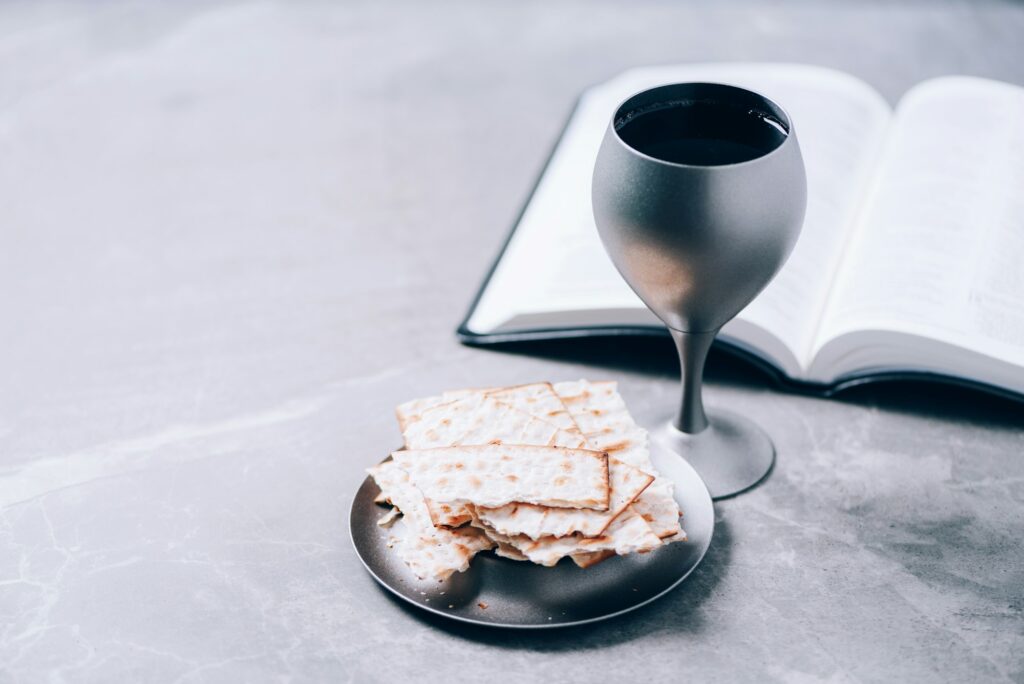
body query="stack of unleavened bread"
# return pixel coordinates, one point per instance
(535, 472)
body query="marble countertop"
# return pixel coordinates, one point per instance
(235, 235)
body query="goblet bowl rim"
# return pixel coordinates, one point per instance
(789, 141)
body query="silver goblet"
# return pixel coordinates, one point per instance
(699, 194)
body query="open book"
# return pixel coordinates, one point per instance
(911, 258)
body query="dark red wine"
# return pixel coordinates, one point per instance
(700, 133)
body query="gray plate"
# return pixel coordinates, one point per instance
(527, 596)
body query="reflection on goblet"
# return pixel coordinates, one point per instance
(699, 194)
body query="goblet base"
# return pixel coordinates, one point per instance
(731, 455)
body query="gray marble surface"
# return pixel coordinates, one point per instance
(234, 235)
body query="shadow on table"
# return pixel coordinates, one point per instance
(678, 612)
(656, 357)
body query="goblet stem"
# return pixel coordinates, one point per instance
(693, 351)
(729, 452)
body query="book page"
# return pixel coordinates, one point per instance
(941, 250)
(555, 261)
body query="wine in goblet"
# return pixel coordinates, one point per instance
(699, 194)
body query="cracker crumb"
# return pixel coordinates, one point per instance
(483, 606)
